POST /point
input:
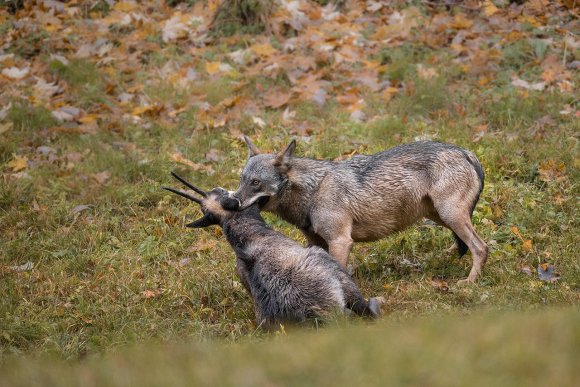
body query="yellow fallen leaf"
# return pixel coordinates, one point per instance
(489, 8)
(151, 109)
(18, 163)
(212, 67)
(88, 119)
(527, 245)
(461, 22)
(125, 6)
(263, 49)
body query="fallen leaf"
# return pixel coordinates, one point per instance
(178, 158)
(5, 126)
(374, 6)
(203, 246)
(358, 116)
(527, 245)
(15, 72)
(516, 231)
(546, 272)
(276, 99)
(149, 109)
(517, 82)
(258, 121)
(44, 89)
(552, 170)
(102, 177)
(216, 67)
(18, 163)
(426, 73)
(66, 113)
(489, 9)
(149, 294)
(24, 267)
(80, 208)
(288, 115)
(174, 28)
(263, 49)
(526, 269)
(125, 6)
(439, 284)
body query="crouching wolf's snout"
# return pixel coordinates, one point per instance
(288, 282)
(369, 196)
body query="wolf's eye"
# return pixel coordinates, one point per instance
(255, 182)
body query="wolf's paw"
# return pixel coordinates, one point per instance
(375, 305)
(466, 282)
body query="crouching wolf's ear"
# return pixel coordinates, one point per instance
(282, 160)
(252, 148)
(205, 221)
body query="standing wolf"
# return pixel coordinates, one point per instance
(370, 196)
(288, 282)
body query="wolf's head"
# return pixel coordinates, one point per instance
(264, 174)
(217, 205)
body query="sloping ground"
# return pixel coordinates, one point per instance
(525, 349)
(100, 101)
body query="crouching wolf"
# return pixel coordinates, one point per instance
(288, 282)
(369, 196)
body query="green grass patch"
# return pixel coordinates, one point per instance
(533, 349)
(26, 117)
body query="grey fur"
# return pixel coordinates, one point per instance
(370, 196)
(288, 282)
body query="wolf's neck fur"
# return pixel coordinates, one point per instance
(294, 200)
(244, 227)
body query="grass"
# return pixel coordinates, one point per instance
(117, 280)
(441, 351)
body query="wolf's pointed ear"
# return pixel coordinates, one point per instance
(283, 158)
(204, 221)
(252, 148)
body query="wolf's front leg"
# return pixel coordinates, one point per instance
(335, 228)
(313, 239)
(339, 248)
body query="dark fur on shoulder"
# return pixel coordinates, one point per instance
(288, 282)
(370, 196)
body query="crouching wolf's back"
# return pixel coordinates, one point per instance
(370, 196)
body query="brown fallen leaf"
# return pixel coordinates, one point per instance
(439, 284)
(276, 99)
(179, 158)
(5, 126)
(527, 245)
(526, 269)
(101, 177)
(202, 246)
(149, 294)
(552, 170)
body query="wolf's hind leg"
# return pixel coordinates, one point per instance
(459, 221)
